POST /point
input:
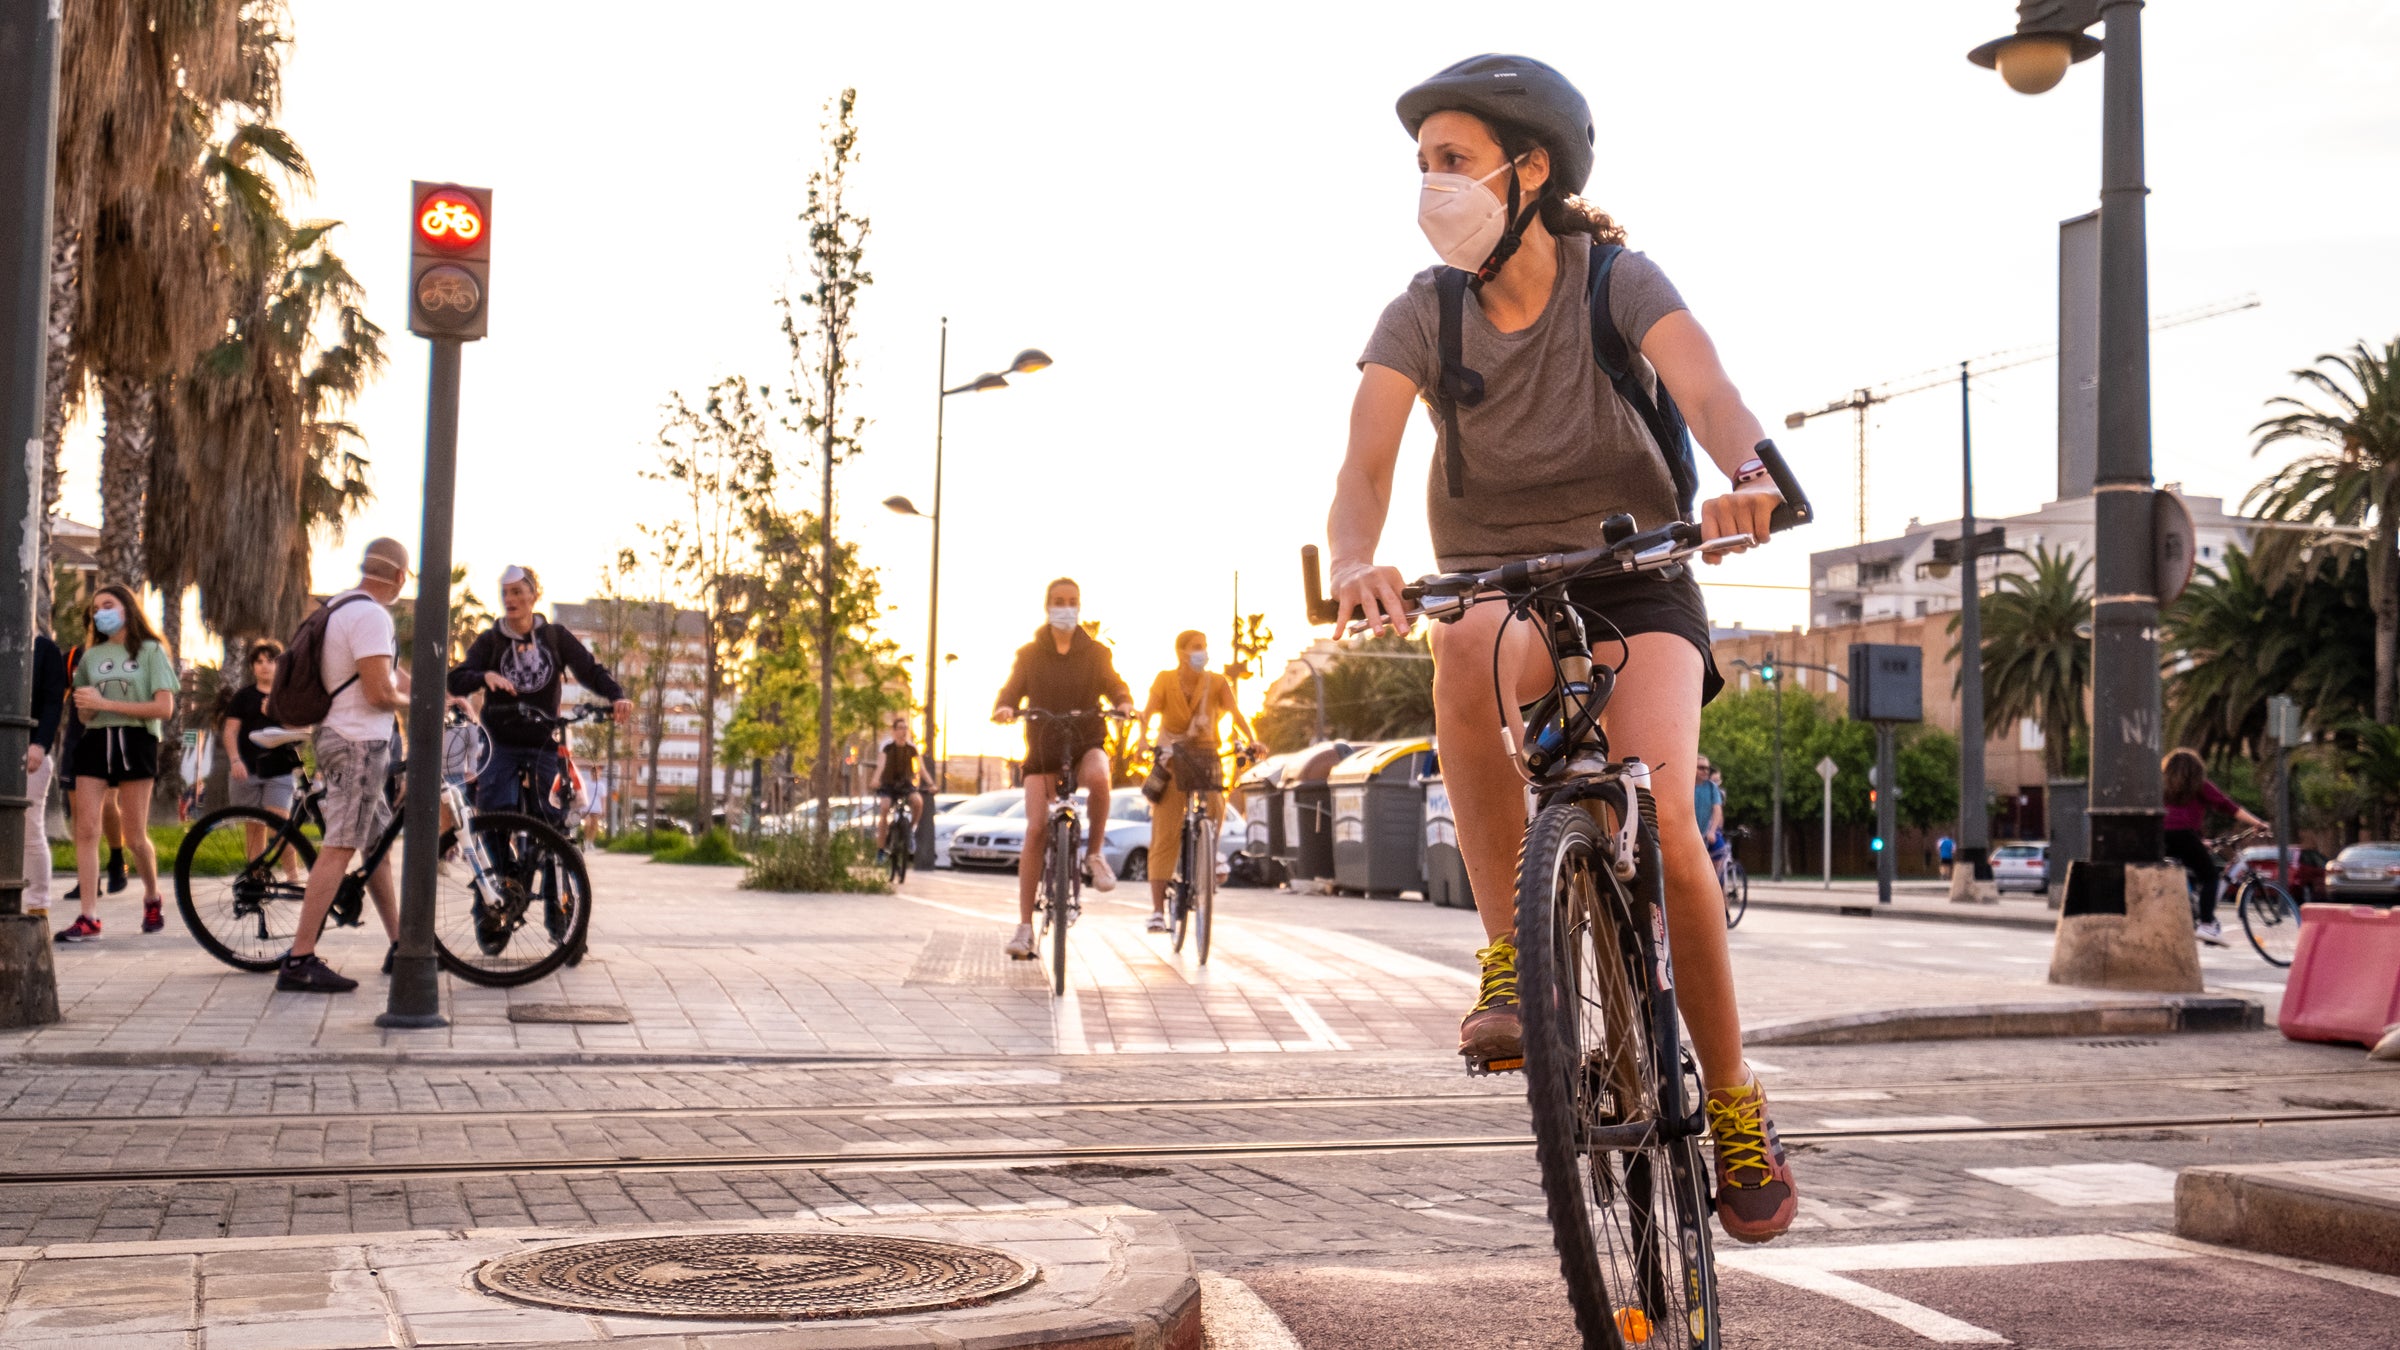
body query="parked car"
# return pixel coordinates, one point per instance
(2022, 867)
(2308, 870)
(1126, 845)
(981, 809)
(2365, 874)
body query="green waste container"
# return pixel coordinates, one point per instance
(1306, 849)
(1379, 819)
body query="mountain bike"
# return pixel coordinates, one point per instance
(1615, 1093)
(1061, 900)
(1735, 879)
(2270, 916)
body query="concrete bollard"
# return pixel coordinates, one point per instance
(28, 985)
(1966, 890)
(2126, 926)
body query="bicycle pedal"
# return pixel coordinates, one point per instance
(1484, 1068)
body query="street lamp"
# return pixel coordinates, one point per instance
(1029, 360)
(2125, 805)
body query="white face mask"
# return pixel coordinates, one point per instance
(1198, 659)
(1062, 617)
(1461, 217)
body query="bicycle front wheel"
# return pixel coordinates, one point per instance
(1625, 1183)
(896, 847)
(1737, 894)
(1060, 904)
(243, 910)
(2271, 920)
(1202, 898)
(512, 902)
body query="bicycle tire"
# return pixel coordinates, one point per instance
(1630, 1224)
(1203, 902)
(1063, 863)
(2270, 919)
(496, 940)
(1179, 891)
(239, 917)
(1737, 893)
(896, 848)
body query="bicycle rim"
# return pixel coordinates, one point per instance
(1062, 895)
(240, 909)
(1737, 894)
(1629, 1224)
(1204, 892)
(528, 912)
(2271, 921)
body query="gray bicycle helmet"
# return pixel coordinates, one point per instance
(1518, 90)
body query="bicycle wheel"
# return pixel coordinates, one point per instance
(896, 843)
(1202, 902)
(528, 912)
(241, 909)
(1737, 893)
(1179, 892)
(1060, 902)
(1626, 1185)
(2271, 920)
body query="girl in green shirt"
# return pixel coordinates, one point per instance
(125, 685)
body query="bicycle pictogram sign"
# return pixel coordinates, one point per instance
(449, 220)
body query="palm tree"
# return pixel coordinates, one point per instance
(2354, 481)
(2232, 641)
(2036, 665)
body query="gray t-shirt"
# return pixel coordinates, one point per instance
(1551, 451)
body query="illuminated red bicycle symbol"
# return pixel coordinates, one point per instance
(448, 220)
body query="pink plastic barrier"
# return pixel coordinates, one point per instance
(2345, 983)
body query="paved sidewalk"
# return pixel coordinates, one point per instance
(1924, 901)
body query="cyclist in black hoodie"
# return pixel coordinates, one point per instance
(516, 664)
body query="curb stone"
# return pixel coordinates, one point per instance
(2162, 1015)
(2344, 1213)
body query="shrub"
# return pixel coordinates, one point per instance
(652, 842)
(799, 862)
(713, 849)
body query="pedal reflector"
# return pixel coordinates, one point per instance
(1633, 1325)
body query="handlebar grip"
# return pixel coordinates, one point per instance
(1320, 609)
(1795, 509)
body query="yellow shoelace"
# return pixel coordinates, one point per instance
(1740, 1128)
(1499, 963)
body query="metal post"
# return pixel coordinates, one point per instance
(1775, 842)
(1887, 811)
(2283, 723)
(2125, 809)
(933, 596)
(1974, 823)
(416, 998)
(1829, 834)
(28, 130)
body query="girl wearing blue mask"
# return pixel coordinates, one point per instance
(125, 686)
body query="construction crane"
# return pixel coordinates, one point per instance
(1943, 377)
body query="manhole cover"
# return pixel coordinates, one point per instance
(604, 1013)
(783, 1276)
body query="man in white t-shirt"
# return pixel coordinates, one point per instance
(354, 746)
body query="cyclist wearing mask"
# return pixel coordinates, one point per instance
(1064, 670)
(1188, 701)
(516, 664)
(1535, 462)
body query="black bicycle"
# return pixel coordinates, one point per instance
(1062, 842)
(2270, 916)
(900, 836)
(1192, 890)
(1735, 879)
(1615, 1092)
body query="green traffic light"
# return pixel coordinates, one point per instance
(1876, 846)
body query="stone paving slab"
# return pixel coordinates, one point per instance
(1109, 1276)
(2345, 1211)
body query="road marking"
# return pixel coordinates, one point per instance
(1898, 1124)
(2088, 1185)
(1831, 1095)
(1235, 1318)
(2357, 1279)
(1066, 1024)
(1924, 1321)
(1320, 1032)
(984, 914)
(1953, 1253)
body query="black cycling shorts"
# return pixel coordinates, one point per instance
(1653, 602)
(1044, 739)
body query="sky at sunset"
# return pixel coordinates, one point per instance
(1199, 212)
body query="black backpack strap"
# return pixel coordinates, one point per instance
(1615, 358)
(1456, 384)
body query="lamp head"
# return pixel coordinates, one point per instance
(1029, 360)
(1794, 421)
(2035, 58)
(987, 382)
(901, 506)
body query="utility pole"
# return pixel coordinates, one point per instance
(28, 156)
(1972, 862)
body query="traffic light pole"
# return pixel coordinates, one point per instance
(28, 127)
(1887, 810)
(416, 998)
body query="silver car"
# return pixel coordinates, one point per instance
(2022, 867)
(984, 808)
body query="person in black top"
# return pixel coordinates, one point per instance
(258, 775)
(516, 664)
(1067, 671)
(49, 703)
(902, 774)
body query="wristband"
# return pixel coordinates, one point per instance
(1749, 471)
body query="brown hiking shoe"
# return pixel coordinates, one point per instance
(1490, 1037)
(1756, 1200)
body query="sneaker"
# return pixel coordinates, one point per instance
(116, 870)
(74, 892)
(308, 975)
(154, 918)
(1158, 924)
(1490, 1037)
(1103, 879)
(1020, 947)
(1755, 1198)
(2211, 933)
(389, 953)
(84, 929)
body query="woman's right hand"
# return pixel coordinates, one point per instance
(1376, 590)
(493, 679)
(1003, 716)
(240, 772)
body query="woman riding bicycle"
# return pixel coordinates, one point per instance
(1534, 461)
(1188, 701)
(2190, 797)
(516, 665)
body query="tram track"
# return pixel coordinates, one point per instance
(967, 1154)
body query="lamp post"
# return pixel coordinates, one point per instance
(1029, 360)
(2125, 805)
(941, 781)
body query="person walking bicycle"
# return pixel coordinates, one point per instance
(1188, 702)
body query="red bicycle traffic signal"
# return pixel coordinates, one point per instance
(450, 250)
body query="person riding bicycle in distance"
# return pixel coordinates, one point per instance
(903, 773)
(1536, 462)
(1064, 671)
(1188, 702)
(2189, 798)
(516, 663)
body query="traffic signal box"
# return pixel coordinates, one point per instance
(450, 252)
(1887, 682)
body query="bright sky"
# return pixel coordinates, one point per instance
(1200, 214)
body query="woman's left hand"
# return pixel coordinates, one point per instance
(1747, 509)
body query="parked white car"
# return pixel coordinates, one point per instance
(984, 808)
(2022, 867)
(1001, 842)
